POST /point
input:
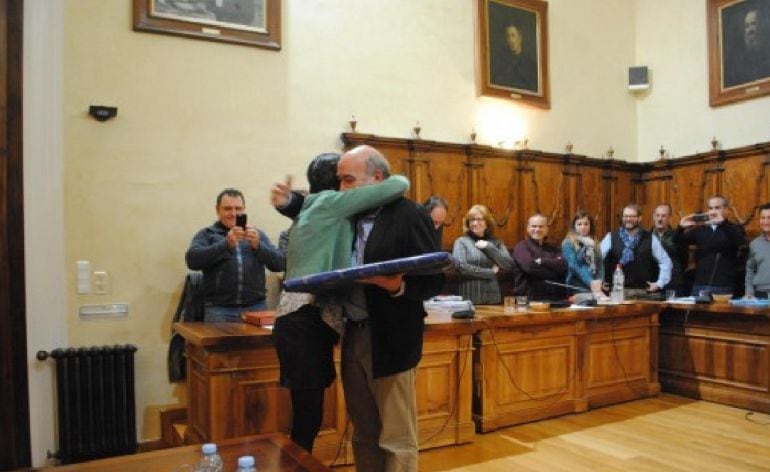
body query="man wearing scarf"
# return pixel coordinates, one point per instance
(640, 255)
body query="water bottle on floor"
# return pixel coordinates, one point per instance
(210, 460)
(618, 281)
(246, 464)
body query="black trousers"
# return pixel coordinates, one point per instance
(305, 346)
(307, 413)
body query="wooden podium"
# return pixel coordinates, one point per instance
(233, 390)
(530, 366)
(718, 353)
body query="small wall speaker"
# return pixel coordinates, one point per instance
(638, 78)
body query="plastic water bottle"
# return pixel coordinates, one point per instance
(210, 460)
(246, 464)
(618, 280)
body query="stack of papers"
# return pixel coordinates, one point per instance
(682, 300)
(448, 304)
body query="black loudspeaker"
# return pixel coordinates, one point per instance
(638, 78)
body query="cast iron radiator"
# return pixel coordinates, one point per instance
(95, 400)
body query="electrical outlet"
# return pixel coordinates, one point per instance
(101, 282)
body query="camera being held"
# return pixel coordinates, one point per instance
(712, 217)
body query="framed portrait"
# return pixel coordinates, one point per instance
(247, 22)
(512, 50)
(739, 50)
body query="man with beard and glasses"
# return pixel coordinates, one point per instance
(646, 266)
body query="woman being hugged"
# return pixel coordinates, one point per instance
(583, 255)
(479, 257)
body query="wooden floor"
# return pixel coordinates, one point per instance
(665, 433)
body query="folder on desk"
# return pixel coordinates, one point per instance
(424, 264)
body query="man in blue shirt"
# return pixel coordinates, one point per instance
(640, 255)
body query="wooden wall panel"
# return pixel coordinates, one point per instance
(549, 196)
(657, 189)
(742, 187)
(516, 184)
(444, 172)
(495, 184)
(585, 194)
(617, 192)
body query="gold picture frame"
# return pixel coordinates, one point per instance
(739, 50)
(247, 22)
(512, 50)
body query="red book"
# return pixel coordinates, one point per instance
(259, 318)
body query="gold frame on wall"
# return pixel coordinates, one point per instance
(738, 71)
(247, 22)
(512, 50)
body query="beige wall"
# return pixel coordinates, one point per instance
(195, 116)
(671, 39)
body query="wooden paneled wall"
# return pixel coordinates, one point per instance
(517, 183)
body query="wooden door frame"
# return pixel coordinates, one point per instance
(14, 396)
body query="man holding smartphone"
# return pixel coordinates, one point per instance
(233, 256)
(716, 241)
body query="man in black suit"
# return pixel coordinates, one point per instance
(383, 337)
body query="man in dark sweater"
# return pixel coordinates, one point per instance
(539, 263)
(646, 266)
(716, 241)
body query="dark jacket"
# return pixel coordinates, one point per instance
(227, 279)
(401, 229)
(716, 252)
(190, 308)
(532, 276)
(677, 252)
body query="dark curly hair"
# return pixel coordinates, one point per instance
(322, 172)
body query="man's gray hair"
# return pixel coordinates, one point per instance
(376, 161)
(725, 203)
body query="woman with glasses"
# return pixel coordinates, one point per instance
(479, 257)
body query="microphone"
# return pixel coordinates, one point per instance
(573, 287)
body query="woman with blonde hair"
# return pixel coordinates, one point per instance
(583, 255)
(479, 257)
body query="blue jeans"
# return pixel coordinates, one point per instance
(696, 289)
(229, 314)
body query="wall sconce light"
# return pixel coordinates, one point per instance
(102, 113)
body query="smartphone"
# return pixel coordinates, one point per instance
(240, 220)
(700, 217)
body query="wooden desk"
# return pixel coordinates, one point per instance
(718, 353)
(233, 389)
(272, 453)
(530, 366)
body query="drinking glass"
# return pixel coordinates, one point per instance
(521, 303)
(509, 305)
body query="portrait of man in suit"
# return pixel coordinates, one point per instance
(513, 48)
